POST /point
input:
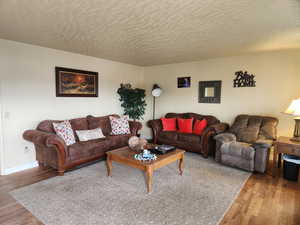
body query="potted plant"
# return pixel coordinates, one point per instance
(133, 101)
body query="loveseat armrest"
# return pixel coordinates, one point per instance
(156, 126)
(48, 140)
(219, 127)
(207, 137)
(135, 127)
(225, 137)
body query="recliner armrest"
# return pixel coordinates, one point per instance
(262, 143)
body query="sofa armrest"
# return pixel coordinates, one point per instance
(135, 127)
(47, 140)
(156, 127)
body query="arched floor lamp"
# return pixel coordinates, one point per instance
(156, 92)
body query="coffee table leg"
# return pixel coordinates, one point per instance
(181, 165)
(149, 175)
(108, 165)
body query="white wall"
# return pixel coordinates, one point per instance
(277, 78)
(1, 136)
(28, 92)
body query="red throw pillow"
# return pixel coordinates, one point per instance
(199, 126)
(185, 125)
(169, 124)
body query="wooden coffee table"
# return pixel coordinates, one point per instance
(126, 156)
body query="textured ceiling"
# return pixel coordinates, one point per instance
(150, 32)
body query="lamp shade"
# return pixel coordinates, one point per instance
(294, 108)
(156, 91)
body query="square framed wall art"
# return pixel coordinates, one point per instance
(210, 91)
(76, 83)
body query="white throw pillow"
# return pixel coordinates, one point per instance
(64, 131)
(86, 135)
(119, 125)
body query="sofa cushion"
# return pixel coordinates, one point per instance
(249, 128)
(238, 149)
(268, 128)
(117, 141)
(102, 122)
(79, 124)
(86, 149)
(171, 135)
(191, 138)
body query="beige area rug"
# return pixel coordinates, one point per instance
(88, 197)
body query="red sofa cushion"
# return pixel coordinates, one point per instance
(199, 126)
(185, 125)
(169, 124)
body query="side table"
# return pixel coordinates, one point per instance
(286, 146)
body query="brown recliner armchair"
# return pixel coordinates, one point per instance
(203, 144)
(247, 143)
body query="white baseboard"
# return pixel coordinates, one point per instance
(20, 168)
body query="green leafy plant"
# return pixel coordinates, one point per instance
(133, 101)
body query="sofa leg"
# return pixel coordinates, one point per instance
(61, 173)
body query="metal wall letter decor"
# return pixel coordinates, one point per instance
(243, 79)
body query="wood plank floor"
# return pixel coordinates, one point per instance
(262, 201)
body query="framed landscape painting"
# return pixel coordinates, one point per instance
(76, 83)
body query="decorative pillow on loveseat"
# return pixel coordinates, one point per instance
(185, 125)
(119, 125)
(87, 135)
(169, 124)
(64, 131)
(199, 126)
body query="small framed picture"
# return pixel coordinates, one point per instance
(76, 83)
(184, 82)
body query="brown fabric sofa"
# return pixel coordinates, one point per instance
(52, 151)
(247, 143)
(204, 144)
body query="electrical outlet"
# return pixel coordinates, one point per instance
(26, 149)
